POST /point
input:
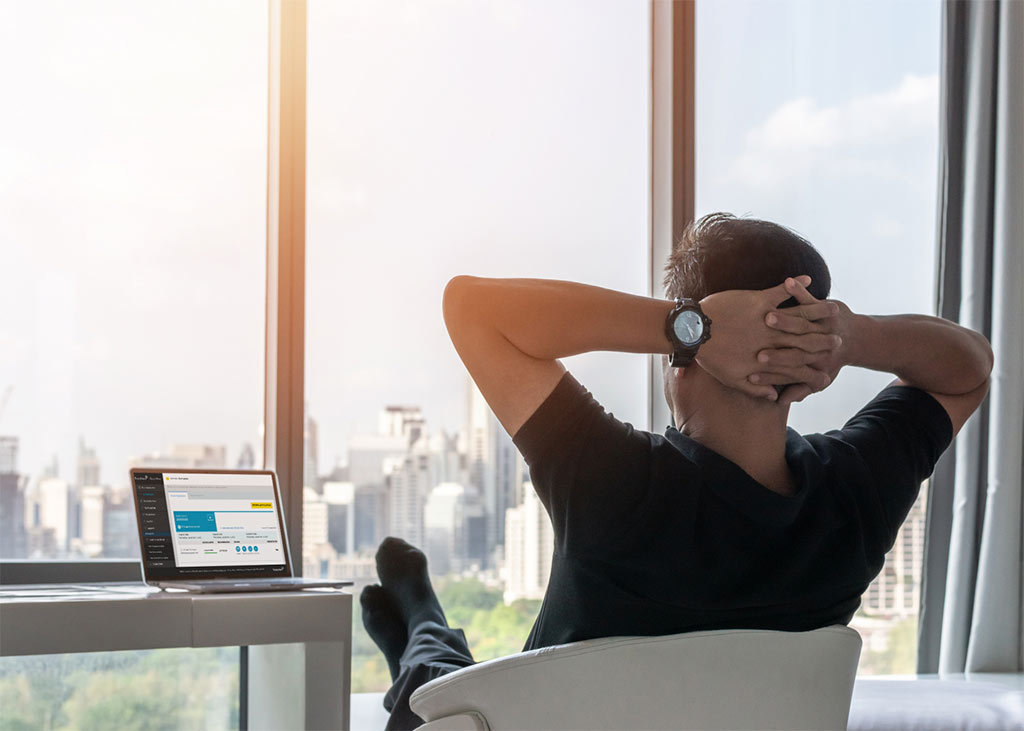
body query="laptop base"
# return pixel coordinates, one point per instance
(232, 586)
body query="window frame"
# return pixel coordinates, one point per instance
(671, 206)
(671, 200)
(672, 196)
(284, 382)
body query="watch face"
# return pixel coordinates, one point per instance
(689, 327)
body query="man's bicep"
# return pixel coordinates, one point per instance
(513, 383)
(590, 470)
(899, 436)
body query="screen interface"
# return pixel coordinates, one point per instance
(199, 524)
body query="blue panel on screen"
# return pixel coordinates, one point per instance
(195, 521)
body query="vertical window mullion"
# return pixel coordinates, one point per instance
(672, 156)
(286, 259)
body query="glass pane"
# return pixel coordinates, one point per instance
(152, 689)
(820, 117)
(444, 139)
(132, 235)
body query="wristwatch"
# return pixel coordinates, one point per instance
(686, 327)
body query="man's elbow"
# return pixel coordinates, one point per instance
(985, 358)
(458, 298)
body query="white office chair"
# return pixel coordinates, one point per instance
(728, 679)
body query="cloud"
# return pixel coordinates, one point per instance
(854, 137)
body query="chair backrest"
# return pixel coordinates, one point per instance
(727, 679)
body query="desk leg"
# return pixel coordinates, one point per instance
(300, 686)
(328, 685)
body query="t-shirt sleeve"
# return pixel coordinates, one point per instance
(590, 470)
(899, 435)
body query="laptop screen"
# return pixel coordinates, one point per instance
(207, 524)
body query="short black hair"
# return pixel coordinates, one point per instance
(721, 252)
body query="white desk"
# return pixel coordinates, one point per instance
(300, 654)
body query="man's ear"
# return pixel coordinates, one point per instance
(673, 378)
(667, 385)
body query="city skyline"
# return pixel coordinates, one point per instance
(399, 430)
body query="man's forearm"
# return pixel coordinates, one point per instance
(927, 352)
(549, 319)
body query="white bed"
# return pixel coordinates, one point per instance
(972, 702)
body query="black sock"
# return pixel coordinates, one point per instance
(385, 625)
(402, 569)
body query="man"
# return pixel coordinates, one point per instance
(729, 520)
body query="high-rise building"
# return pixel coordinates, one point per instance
(529, 547)
(478, 551)
(12, 502)
(186, 456)
(361, 568)
(367, 453)
(481, 456)
(246, 458)
(493, 464)
(446, 461)
(510, 476)
(370, 458)
(88, 473)
(408, 482)
(430, 461)
(314, 521)
(370, 516)
(8, 455)
(449, 516)
(896, 591)
(405, 421)
(41, 542)
(120, 534)
(12, 516)
(87, 504)
(310, 461)
(92, 502)
(52, 469)
(49, 513)
(341, 516)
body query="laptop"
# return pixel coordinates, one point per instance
(212, 531)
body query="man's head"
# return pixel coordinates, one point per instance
(720, 252)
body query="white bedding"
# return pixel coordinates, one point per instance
(968, 703)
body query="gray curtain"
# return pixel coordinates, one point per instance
(972, 599)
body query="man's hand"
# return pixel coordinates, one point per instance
(950, 362)
(740, 332)
(777, 364)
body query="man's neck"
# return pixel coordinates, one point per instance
(750, 434)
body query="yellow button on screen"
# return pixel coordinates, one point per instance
(261, 506)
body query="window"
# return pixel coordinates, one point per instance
(442, 140)
(132, 230)
(133, 154)
(822, 118)
(179, 689)
(501, 139)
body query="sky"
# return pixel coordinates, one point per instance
(132, 227)
(823, 116)
(496, 138)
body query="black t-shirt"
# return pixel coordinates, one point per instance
(656, 535)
